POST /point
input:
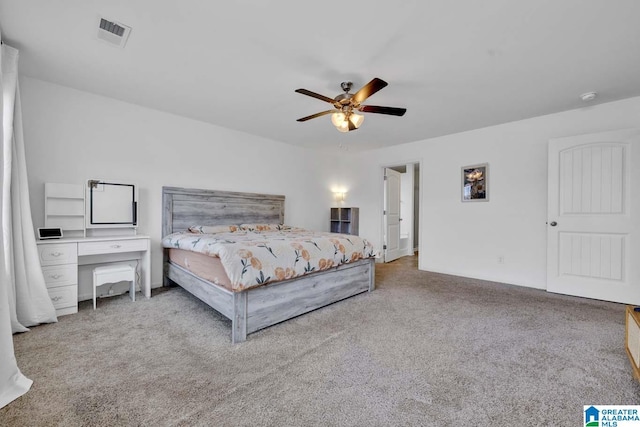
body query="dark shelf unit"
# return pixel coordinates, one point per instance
(344, 220)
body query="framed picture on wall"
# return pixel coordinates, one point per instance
(475, 183)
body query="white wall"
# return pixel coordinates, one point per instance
(72, 136)
(466, 239)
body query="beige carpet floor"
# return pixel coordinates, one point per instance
(423, 349)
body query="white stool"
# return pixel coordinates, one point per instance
(114, 274)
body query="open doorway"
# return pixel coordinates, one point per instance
(401, 211)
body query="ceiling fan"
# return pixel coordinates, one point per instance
(345, 106)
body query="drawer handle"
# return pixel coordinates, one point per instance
(56, 299)
(116, 246)
(56, 254)
(56, 276)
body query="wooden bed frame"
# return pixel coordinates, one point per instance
(255, 308)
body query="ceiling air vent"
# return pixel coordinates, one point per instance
(112, 32)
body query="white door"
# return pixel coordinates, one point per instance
(392, 214)
(593, 231)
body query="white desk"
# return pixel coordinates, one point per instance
(61, 258)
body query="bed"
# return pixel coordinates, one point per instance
(257, 307)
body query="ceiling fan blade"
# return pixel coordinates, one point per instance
(392, 111)
(316, 95)
(369, 89)
(313, 116)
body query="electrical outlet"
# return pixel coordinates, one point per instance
(501, 259)
(110, 292)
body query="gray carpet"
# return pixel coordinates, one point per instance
(423, 349)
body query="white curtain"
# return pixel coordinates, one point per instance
(24, 300)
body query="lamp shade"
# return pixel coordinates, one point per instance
(356, 119)
(343, 127)
(337, 119)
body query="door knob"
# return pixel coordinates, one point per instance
(553, 223)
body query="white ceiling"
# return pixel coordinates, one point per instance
(454, 64)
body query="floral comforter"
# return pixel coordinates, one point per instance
(255, 257)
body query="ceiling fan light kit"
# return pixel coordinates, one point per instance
(343, 122)
(344, 116)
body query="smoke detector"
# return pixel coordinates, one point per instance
(589, 96)
(113, 32)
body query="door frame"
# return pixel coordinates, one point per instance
(381, 169)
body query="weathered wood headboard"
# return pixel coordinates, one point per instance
(184, 207)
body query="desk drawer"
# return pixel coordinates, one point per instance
(60, 275)
(59, 253)
(112, 246)
(64, 296)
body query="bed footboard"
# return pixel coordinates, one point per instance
(258, 308)
(275, 303)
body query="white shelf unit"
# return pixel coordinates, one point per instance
(64, 208)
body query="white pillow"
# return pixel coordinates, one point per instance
(267, 227)
(211, 229)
